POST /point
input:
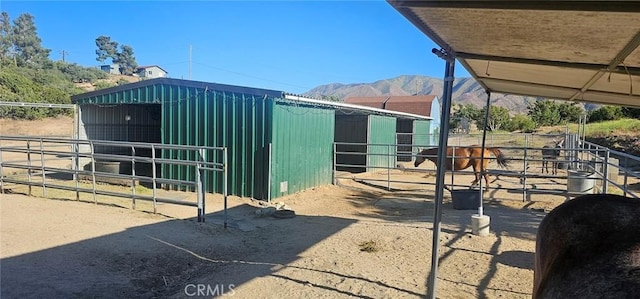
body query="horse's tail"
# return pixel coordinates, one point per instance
(502, 160)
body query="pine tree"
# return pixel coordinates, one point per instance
(6, 35)
(106, 48)
(126, 60)
(28, 45)
(109, 49)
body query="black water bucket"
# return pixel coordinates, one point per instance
(466, 199)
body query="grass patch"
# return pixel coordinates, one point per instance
(369, 246)
(620, 126)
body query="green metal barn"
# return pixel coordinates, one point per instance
(278, 144)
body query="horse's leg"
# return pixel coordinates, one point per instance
(486, 178)
(485, 164)
(475, 173)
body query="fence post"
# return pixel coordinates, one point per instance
(93, 171)
(199, 190)
(133, 176)
(335, 160)
(605, 175)
(268, 174)
(29, 165)
(225, 181)
(626, 175)
(1, 172)
(523, 179)
(153, 178)
(44, 175)
(76, 167)
(388, 167)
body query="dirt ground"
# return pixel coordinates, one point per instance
(353, 240)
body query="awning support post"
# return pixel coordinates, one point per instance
(441, 169)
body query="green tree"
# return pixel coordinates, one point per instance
(606, 113)
(6, 36)
(544, 113)
(467, 111)
(78, 74)
(126, 60)
(569, 112)
(106, 48)
(552, 113)
(498, 117)
(109, 49)
(631, 112)
(520, 122)
(28, 46)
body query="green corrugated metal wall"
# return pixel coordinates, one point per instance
(382, 130)
(421, 133)
(302, 148)
(220, 119)
(200, 117)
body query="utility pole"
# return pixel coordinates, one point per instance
(189, 62)
(63, 52)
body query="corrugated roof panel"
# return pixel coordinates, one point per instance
(539, 74)
(587, 37)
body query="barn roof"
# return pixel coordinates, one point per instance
(85, 98)
(585, 51)
(418, 104)
(179, 82)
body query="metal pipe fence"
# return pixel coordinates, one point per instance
(523, 158)
(56, 163)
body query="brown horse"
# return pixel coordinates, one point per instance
(589, 247)
(465, 157)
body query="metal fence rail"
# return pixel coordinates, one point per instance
(34, 161)
(525, 153)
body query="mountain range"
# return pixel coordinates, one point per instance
(465, 91)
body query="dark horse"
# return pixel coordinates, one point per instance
(465, 157)
(589, 247)
(551, 153)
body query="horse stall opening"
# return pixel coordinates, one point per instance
(404, 139)
(412, 135)
(364, 142)
(125, 122)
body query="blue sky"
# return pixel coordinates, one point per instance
(291, 46)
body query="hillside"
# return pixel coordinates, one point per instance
(465, 90)
(109, 81)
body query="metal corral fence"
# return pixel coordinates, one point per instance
(600, 167)
(64, 164)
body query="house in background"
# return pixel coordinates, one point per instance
(425, 105)
(151, 71)
(408, 133)
(113, 69)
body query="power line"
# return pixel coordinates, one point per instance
(250, 76)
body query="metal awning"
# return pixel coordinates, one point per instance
(584, 51)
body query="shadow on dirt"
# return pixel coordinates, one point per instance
(168, 258)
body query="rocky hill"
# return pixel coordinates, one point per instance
(465, 90)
